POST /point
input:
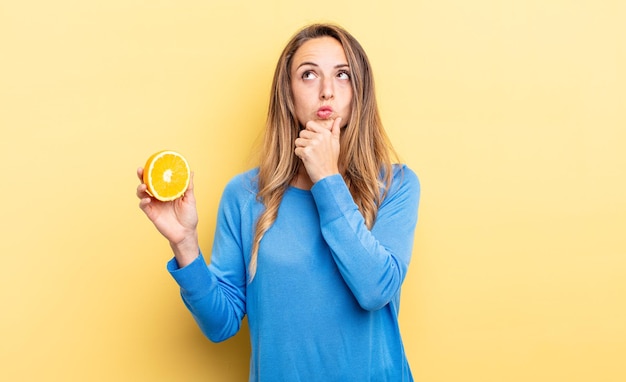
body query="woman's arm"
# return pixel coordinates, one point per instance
(372, 262)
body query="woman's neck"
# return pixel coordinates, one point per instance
(302, 180)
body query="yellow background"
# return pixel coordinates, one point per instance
(512, 113)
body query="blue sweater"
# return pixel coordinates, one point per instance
(324, 303)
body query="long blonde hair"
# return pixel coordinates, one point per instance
(365, 148)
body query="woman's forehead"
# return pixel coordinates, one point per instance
(319, 51)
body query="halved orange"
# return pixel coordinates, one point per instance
(167, 175)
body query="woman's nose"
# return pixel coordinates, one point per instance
(327, 91)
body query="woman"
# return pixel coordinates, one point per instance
(313, 245)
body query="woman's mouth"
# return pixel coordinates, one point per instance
(324, 112)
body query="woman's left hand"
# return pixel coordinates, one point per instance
(318, 148)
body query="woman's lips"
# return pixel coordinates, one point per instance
(324, 112)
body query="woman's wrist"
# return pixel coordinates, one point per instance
(186, 250)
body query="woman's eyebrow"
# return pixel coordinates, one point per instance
(307, 63)
(316, 65)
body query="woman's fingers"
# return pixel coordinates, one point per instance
(140, 174)
(142, 193)
(142, 188)
(190, 186)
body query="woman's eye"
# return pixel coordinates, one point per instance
(308, 75)
(343, 75)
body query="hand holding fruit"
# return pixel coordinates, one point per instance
(176, 217)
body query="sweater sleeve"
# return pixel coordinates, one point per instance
(373, 262)
(215, 294)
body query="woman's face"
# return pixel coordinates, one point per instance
(321, 82)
